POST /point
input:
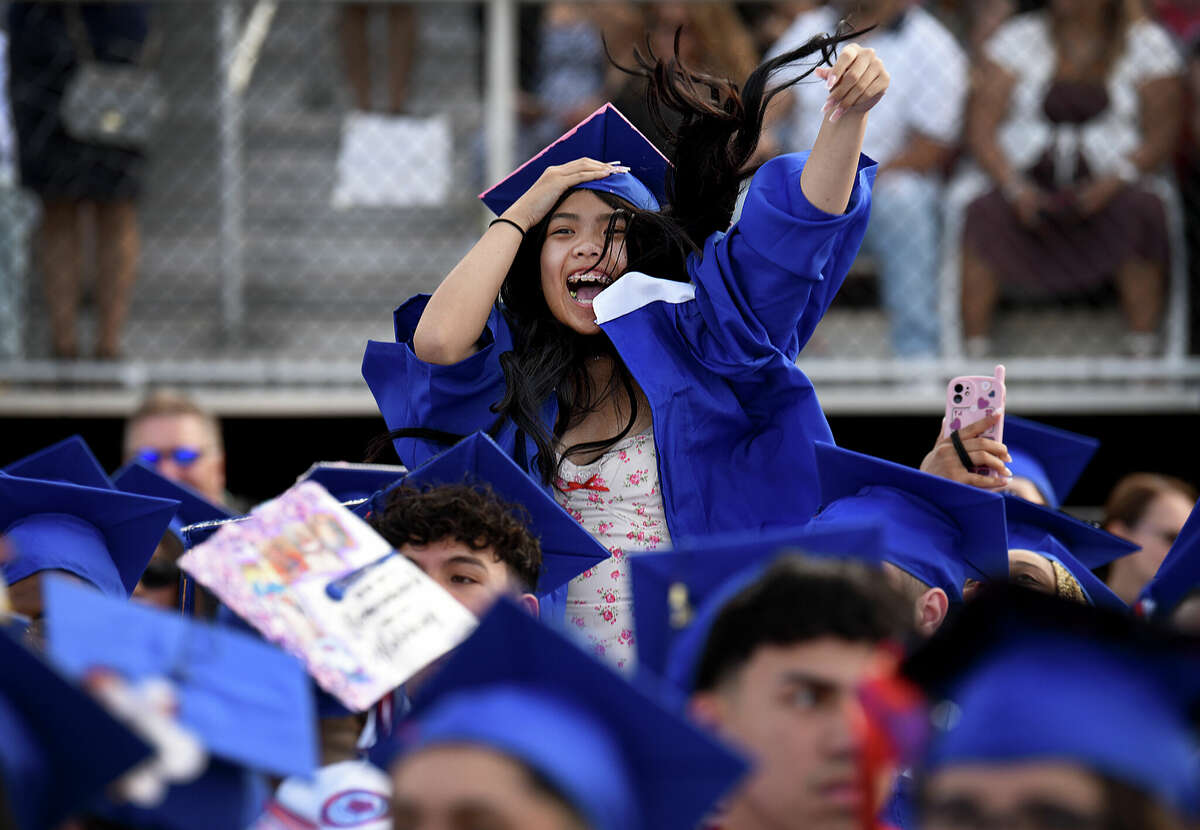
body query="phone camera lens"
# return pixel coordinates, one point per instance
(958, 398)
(958, 387)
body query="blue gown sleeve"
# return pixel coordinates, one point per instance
(771, 278)
(412, 393)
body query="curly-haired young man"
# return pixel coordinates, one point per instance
(472, 543)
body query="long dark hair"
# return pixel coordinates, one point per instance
(713, 136)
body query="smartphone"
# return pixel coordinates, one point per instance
(972, 398)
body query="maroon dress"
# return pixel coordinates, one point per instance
(1066, 253)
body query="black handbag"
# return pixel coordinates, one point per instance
(107, 103)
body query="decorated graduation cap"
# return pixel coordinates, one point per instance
(672, 590)
(1178, 575)
(349, 482)
(1032, 677)
(567, 549)
(937, 530)
(1076, 546)
(101, 535)
(1052, 458)
(605, 135)
(70, 460)
(619, 755)
(249, 704)
(59, 748)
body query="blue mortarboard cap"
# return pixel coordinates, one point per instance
(58, 746)
(249, 703)
(605, 135)
(1179, 573)
(351, 482)
(103, 536)
(1075, 545)
(937, 530)
(567, 549)
(70, 460)
(1034, 677)
(136, 477)
(672, 589)
(1052, 458)
(519, 687)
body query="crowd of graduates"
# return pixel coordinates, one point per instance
(694, 609)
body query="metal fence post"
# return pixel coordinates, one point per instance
(229, 128)
(500, 88)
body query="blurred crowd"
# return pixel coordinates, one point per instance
(1031, 153)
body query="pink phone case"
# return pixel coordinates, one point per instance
(972, 398)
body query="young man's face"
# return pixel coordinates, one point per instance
(795, 711)
(476, 578)
(463, 787)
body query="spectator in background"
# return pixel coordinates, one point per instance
(75, 180)
(912, 136)
(1076, 106)
(712, 39)
(571, 74)
(356, 52)
(1148, 510)
(173, 435)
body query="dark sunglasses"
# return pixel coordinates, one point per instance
(183, 456)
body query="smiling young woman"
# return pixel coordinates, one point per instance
(626, 344)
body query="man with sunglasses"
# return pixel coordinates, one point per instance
(182, 442)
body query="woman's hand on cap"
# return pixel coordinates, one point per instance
(556, 180)
(856, 82)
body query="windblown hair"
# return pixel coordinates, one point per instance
(469, 513)
(799, 599)
(712, 139)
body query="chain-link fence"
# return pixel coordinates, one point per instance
(317, 164)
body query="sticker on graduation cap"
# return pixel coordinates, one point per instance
(605, 135)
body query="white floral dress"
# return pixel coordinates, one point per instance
(618, 500)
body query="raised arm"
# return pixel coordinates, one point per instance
(856, 83)
(457, 312)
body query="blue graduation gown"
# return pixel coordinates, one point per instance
(734, 418)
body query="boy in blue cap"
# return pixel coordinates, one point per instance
(938, 534)
(640, 360)
(100, 535)
(475, 522)
(781, 654)
(1050, 714)
(521, 728)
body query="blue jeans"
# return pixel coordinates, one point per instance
(903, 238)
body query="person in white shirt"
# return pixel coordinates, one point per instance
(913, 135)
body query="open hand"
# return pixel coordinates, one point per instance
(856, 82)
(542, 195)
(943, 460)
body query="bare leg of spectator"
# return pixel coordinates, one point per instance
(356, 52)
(1140, 285)
(980, 291)
(61, 263)
(117, 246)
(402, 44)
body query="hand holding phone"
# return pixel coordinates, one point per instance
(972, 398)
